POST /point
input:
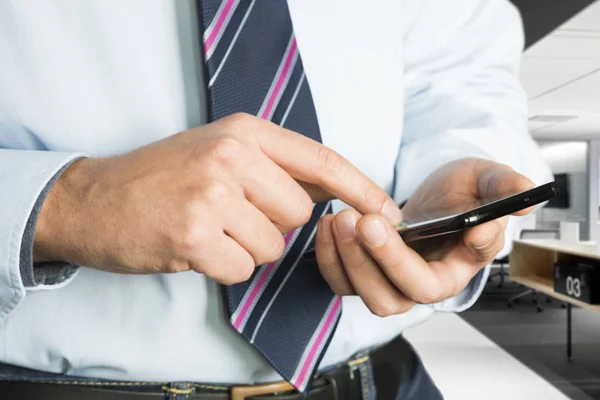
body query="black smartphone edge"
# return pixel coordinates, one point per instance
(488, 212)
(471, 218)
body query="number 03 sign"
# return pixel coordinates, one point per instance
(573, 287)
(579, 281)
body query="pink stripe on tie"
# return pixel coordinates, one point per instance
(280, 80)
(313, 352)
(213, 34)
(259, 284)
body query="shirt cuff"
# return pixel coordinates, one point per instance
(44, 274)
(465, 299)
(23, 176)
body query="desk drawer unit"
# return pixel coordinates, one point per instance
(579, 281)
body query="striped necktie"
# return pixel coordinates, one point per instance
(286, 310)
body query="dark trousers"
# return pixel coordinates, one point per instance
(407, 381)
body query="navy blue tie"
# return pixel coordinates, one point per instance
(286, 310)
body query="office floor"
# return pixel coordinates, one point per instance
(538, 340)
(466, 365)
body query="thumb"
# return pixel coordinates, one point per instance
(499, 183)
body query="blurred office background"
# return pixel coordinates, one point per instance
(498, 350)
(561, 74)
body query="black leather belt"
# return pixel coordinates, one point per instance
(392, 365)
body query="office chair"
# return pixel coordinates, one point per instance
(502, 273)
(535, 296)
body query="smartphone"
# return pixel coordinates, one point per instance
(477, 216)
(432, 239)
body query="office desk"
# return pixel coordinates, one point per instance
(532, 265)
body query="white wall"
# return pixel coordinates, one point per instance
(570, 158)
(565, 157)
(594, 185)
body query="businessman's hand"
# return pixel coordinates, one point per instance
(364, 255)
(215, 200)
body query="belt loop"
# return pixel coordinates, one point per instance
(178, 391)
(362, 362)
(331, 380)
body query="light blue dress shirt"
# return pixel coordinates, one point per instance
(400, 88)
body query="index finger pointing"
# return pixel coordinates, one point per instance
(310, 161)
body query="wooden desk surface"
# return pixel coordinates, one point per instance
(584, 249)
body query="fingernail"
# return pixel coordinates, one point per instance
(483, 242)
(374, 233)
(345, 226)
(392, 212)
